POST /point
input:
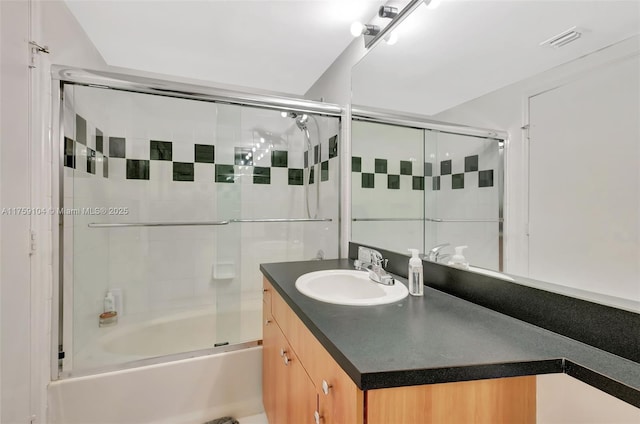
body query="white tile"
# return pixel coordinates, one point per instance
(117, 169)
(137, 148)
(183, 151)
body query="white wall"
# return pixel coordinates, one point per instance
(593, 234)
(564, 400)
(334, 86)
(14, 192)
(26, 282)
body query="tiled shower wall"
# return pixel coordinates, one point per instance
(400, 176)
(463, 188)
(387, 183)
(155, 159)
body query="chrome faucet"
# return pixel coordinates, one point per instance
(435, 254)
(372, 261)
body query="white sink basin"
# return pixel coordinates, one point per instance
(349, 287)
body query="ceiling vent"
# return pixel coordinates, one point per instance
(562, 39)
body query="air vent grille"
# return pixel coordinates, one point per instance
(562, 39)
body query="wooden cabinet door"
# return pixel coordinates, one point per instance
(270, 362)
(339, 399)
(288, 393)
(302, 399)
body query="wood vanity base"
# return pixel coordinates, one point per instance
(495, 401)
(303, 384)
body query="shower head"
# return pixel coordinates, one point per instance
(301, 120)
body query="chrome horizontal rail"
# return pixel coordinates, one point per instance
(384, 116)
(283, 220)
(386, 219)
(425, 219)
(463, 220)
(156, 224)
(202, 223)
(182, 90)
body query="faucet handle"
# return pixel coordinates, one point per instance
(376, 258)
(436, 248)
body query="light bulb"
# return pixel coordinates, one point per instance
(261, 139)
(356, 29)
(391, 38)
(433, 4)
(284, 114)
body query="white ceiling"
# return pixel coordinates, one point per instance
(465, 49)
(282, 46)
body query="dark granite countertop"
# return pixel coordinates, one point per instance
(440, 338)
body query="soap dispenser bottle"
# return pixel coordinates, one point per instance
(109, 303)
(458, 260)
(416, 282)
(109, 316)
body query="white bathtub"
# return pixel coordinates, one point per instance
(139, 338)
(190, 390)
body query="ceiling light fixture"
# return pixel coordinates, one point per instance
(389, 12)
(358, 29)
(374, 34)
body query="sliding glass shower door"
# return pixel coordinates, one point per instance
(170, 207)
(427, 189)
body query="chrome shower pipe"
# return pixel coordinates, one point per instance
(301, 123)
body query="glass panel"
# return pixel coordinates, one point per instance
(387, 186)
(463, 194)
(136, 158)
(423, 188)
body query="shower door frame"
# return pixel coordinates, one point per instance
(64, 75)
(382, 116)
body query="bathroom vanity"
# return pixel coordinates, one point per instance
(303, 383)
(431, 359)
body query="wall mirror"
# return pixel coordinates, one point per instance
(557, 85)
